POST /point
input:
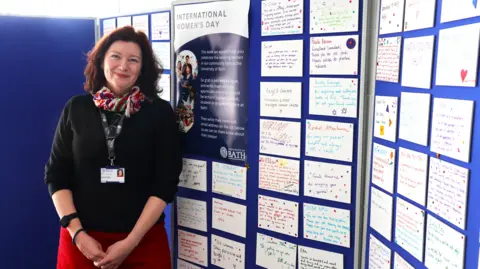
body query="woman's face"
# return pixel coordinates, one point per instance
(122, 65)
(179, 65)
(188, 70)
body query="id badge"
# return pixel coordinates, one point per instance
(112, 175)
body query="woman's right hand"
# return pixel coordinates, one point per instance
(89, 247)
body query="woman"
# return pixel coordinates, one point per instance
(110, 222)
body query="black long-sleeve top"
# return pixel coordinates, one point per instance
(148, 148)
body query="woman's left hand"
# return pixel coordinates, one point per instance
(116, 254)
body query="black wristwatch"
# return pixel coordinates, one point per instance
(65, 220)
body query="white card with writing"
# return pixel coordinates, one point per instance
(412, 175)
(281, 99)
(453, 10)
(330, 140)
(279, 174)
(311, 258)
(326, 224)
(124, 21)
(227, 253)
(333, 16)
(418, 62)
(162, 52)
(391, 16)
(448, 191)
(280, 138)
(401, 263)
(386, 109)
(327, 181)
(161, 26)
(409, 228)
(164, 84)
(379, 255)
(140, 23)
(193, 247)
(275, 253)
(334, 55)
(229, 180)
(192, 213)
(457, 57)
(109, 26)
(278, 215)
(181, 264)
(383, 167)
(333, 97)
(194, 174)
(444, 247)
(381, 213)
(419, 14)
(388, 59)
(452, 128)
(280, 17)
(282, 58)
(414, 117)
(229, 217)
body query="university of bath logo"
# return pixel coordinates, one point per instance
(223, 152)
(232, 154)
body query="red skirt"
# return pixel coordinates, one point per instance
(153, 251)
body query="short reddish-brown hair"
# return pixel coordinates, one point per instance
(149, 74)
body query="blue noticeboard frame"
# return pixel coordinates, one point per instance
(463, 93)
(43, 59)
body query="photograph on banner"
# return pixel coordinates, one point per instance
(211, 46)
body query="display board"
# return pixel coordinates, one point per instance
(424, 163)
(293, 203)
(156, 25)
(42, 68)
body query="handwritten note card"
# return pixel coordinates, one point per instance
(278, 174)
(448, 191)
(391, 16)
(383, 167)
(124, 21)
(194, 174)
(326, 224)
(229, 217)
(280, 17)
(162, 52)
(458, 56)
(334, 55)
(386, 108)
(192, 213)
(328, 181)
(230, 180)
(445, 247)
(453, 10)
(401, 263)
(414, 117)
(379, 255)
(181, 264)
(311, 258)
(333, 16)
(409, 228)
(193, 247)
(275, 253)
(227, 253)
(164, 84)
(418, 62)
(278, 215)
(388, 59)
(330, 140)
(161, 26)
(140, 23)
(452, 128)
(333, 97)
(412, 175)
(280, 138)
(281, 99)
(419, 14)
(282, 58)
(109, 26)
(381, 213)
